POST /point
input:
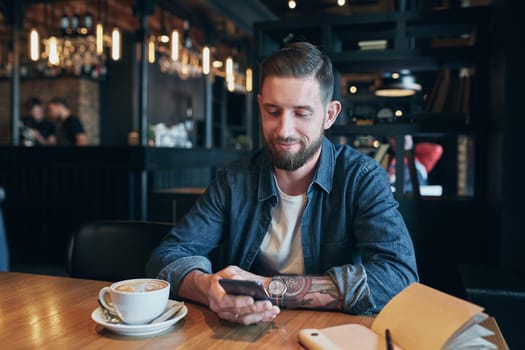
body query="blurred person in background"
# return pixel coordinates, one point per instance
(70, 131)
(35, 128)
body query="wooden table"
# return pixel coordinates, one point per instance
(48, 312)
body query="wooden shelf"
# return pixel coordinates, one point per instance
(389, 129)
(410, 44)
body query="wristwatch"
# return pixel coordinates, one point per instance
(277, 290)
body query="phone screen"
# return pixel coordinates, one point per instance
(254, 289)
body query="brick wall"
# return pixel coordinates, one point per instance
(82, 96)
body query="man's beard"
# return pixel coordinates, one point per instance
(290, 161)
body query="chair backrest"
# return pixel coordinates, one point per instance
(113, 250)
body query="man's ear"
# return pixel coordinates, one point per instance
(332, 111)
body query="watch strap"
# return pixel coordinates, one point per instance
(278, 299)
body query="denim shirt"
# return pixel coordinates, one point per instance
(351, 228)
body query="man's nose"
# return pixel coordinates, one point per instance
(286, 125)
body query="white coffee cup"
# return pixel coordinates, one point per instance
(136, 301)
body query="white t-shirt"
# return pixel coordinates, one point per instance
(281, 249)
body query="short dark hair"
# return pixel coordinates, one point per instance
(32, 102)
(58, 101)
(300, 60)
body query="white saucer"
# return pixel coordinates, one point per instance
(140, 330)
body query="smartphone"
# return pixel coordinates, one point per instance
(254, 289)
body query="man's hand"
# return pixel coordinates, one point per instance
(205, 288)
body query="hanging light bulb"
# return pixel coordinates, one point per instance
(151, 49)
(291, 4)
(34, 45)
(53, 51)
(184, 72)
(206, 60)
(341, 3)
(115, 44)
(249, 80)
(230, 79)
(164, 38)
(174, 45)
(99, 38)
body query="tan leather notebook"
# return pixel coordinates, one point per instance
(419, 317)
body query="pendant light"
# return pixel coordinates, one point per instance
(151, 49)
(175, 42)
(99, 39)
(53, 51)
(34, 45)
(115, 44)
(230, 79)
(206, 60)
(249, 80)
(397, 85)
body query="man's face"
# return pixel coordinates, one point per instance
(293, 120)
(53, 110)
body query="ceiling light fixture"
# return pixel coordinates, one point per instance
(230, 79)
(174, 45)
(53, 51)
(34, 45)
(401, 84)
(115, 44)
(206, 60)
(291, 4)
(249, 80)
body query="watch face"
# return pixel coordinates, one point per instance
(277, 287)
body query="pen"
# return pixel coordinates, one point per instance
(389, 345)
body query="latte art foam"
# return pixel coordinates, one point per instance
(141, 287)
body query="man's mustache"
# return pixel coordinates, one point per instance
(286, 140)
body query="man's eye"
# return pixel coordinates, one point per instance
(303, 114)
(273, 113)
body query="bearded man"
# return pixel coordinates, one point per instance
(314, 222)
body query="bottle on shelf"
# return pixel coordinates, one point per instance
(75, 22)
(64, 23)
(186, 35)
(88, 22)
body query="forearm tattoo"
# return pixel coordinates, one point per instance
(311, 292)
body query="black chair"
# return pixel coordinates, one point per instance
(113, 250)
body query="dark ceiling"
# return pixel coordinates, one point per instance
(234, 17)
(238, 16)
